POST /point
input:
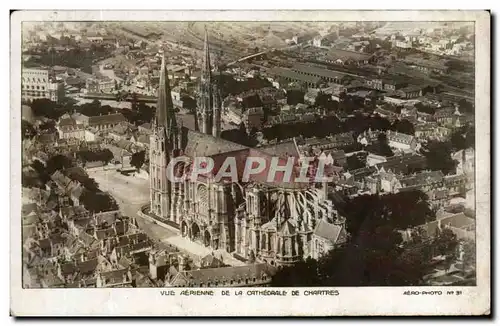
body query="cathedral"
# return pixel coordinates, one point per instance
(276, 223)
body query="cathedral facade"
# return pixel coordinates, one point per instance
(275, 223)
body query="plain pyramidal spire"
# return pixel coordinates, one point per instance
(165, 115)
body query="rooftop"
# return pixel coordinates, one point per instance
(318, 71)
(336, 54)
(290, 74)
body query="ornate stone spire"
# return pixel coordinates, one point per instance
(205, 96)
(165, 114)
(217, 100)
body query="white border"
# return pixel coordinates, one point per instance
(352, 301)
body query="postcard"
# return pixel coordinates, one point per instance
(250, 163)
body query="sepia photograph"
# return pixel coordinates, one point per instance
(264, 157)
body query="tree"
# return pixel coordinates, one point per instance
(425, 108)
(137, 159)
(354, 163)
(57, 163)
(381, 147)
(403, 126)
(27, 130)
(106, 156)
(323, 101)
(400, 211)
(438, 155)
(446, 242)
(44, 108)
(466, 106)
(48, 126)
(463, 138)
(97, 201)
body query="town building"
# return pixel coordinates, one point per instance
(401, 141)
(69, 128)
(283, 76)
(345, 57)
(107, 122)
(233, 276)
(100, 85)
(427, 66)
(38, 84)
(322, 73)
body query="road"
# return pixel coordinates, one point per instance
(131, 193)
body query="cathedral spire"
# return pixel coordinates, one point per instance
(217, 99)
(206, 68)
(205, 96)
(165, 115)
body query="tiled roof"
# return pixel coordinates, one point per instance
(146, 125)
(290, 74)
(116, 276)
(399, 137)
(107, 119)
(402, 163)
(426, 177)
(327, 231)
(199, 144)
(286, 148)
(209, 261)
(67, 122)
(317, 71)
(335, 54)
(248, 274)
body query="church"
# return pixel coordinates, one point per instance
(277, 223)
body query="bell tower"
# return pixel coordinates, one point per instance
(163, 144)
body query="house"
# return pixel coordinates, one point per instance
(402, 164)
(424, 181)
(70, 128)
(374, 83)
(120, 132)
(100, 85)
(235, 276)
(432, 131)
(462, 226)
(80, 119)
(388, 181)
(394, 83)
(328, 143)
(401, 141)
(106, 122)
(411, 91)
(161, 260)
(445, 116)
(115, 279)
(145, 128)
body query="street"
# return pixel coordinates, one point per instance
(131, 193)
